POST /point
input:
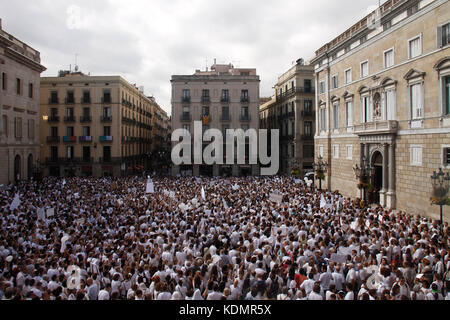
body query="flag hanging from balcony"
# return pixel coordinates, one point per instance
(206, 119)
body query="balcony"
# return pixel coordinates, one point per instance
(307, 137)
(53, 119)
(225, 117)
(378, 127)
(106, 139)
(85, 139)
(69, 139)
(53, 139)
(308, 113)
(206, 99)
(245, 100)
(106, 119)
(186, 99)
(245, 118)
(294, 90)
(186, 117)
(69, 119)
(84, 119)
(225, 99)
(53, 100)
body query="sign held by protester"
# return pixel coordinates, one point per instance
(275, 197)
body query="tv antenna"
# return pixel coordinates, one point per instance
(76, 62)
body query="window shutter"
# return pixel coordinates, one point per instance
(439, 37)
(361, 113)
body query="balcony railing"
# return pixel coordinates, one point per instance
(390, 126)
(206, 99)
(53, 139)
(307, 137)
(225, 99)
(69, 139)
(84, 119)
(293, 91)
(53, 101)
(186, 99)
(245, 117)
(106, 119)
(53, 119)
(225, 117)
(85, 139)
(106, 139)
(245, 99)
(69, 119)
(69, 100)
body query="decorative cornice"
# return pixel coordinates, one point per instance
(10, 53)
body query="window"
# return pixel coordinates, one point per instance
(107, 112)
(446, 156)
(186, 112)
(225, 113)
(416, 98)
(86, 112)
(364, 69)
(415, 47)
(322, 87)
(413, 9)
(349, 152)
(5, 125)
(70, 113)
(308, 128)
(4, 79)
(348, 76)
(308, 85)
(336, 116)
(321, 151)
(106, 96)
(86, 96)
(308, 107)
(86, 153)
(225, 95)
(86, 131)
(366, 110)
(323, 119)
(444, 35)
(30, 90)
(107, 131)
(107, 153)
(389, 58)
(390, 105)
(336, 151)
(186, 94)
(18, 86)
(446, 96)
(244, 95)
(30, 129)
(205, 111)
(416, 155)
(70, 152)
(334, 82)
(349, 113)
(54, 131)
(308, 151)
(54, 97)
(70, 97)
(54, 153)
(18, 127)
(70, 131)
(244, 113)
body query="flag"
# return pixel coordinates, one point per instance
(203, 194)
(15, 203)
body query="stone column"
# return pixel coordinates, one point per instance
(385, 175)
(390, 198)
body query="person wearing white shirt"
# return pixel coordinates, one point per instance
(315, 293)
(308, 284)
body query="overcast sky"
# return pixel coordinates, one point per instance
(147, 42)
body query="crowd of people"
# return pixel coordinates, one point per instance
(212, 239)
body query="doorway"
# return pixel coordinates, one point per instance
(17, 168)
(377, 181)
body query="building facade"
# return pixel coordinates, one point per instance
(94, 126)
(292, 111)
(223, 98)
(160, 148)
(20, 69)
(383, 100)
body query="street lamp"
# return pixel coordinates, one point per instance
(441, 184)
(320, 168)
(364, 174)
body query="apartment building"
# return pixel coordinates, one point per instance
(223, 98)
(383, 100)
(292, 111)
(94, 125)
(20, 69)
(160, 150)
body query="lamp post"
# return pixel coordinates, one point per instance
(364, 174)
(441, 184)
(320, 168)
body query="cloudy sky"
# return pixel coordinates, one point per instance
(147, 41)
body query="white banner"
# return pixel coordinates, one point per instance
(150, 187)
(50, 212)
(203, 194)
(15, 203)
(278, 198)
(41, 213)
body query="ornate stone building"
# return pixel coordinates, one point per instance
(383, 98)
(20, 69)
